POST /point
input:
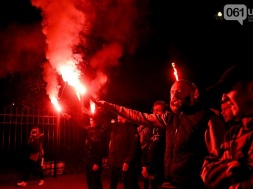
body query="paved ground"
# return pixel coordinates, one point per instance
(65, 181)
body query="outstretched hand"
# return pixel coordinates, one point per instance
(97, 101)
(100, 103)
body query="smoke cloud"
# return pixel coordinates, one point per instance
(71, 35)
(97, 32)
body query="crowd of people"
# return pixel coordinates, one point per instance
(184, 144)
(203, 148)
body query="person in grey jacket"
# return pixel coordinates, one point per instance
(192, 131)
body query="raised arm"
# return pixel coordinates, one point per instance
(136, 116)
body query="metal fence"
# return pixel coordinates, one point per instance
(63, 138)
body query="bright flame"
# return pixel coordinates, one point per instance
(71, 75)
(175, 71)
(92, 107)
(56, 104)
(80, 90)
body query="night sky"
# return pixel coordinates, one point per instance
(187, 33)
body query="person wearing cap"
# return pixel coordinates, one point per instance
(192, 130)
(153, 150)
(232, 168)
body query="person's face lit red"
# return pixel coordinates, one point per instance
(181, 95)
(240, 98)
(158, 109)
(226, 112)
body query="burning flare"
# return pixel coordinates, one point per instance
(92, 107)
(175, 70)
(62, 23)
(56, 104)
(71, 76)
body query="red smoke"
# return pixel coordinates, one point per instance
(69, 24)
(77, 33)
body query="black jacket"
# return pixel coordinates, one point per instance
(153, 153)
(94, 145)
(124, 145)
(189, 138)
(233, 166)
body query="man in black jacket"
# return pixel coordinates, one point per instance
(94, 144)
(124, 154)
(192, 130)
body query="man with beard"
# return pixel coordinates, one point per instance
(192, 131)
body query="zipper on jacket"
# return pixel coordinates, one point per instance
(173, 142)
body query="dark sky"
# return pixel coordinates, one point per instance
(185, 32)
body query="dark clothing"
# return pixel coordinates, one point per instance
(33, 167)
(129, 178)
(93, 155)
(34, 148)
(189, 138)
(145, 133)
(153, 157)
(124, 148)
(93, 178)
(124, 145)
(233, 167)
